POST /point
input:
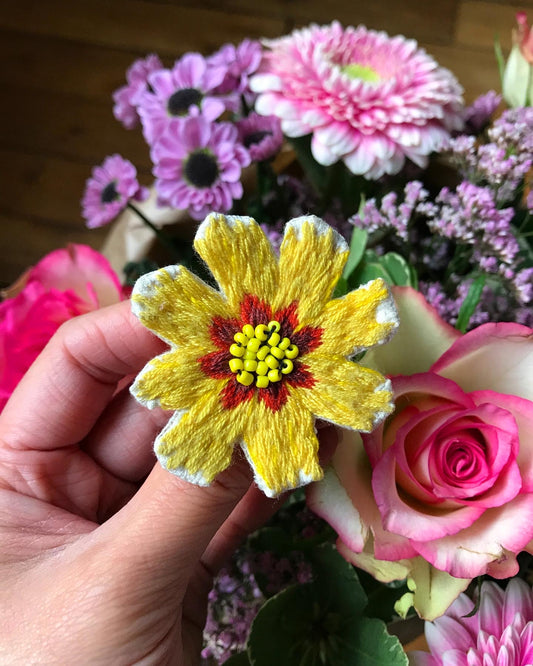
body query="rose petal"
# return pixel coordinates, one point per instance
(488, 545)
(421, 337)
(496, 357)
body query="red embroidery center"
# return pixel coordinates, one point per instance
(256, 315)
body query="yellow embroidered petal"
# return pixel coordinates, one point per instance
(178, 306)
(346, 393)
(174, 380)
(282, 447)
(198, 444)
(239, 256)
(312, 256)
(361, 319)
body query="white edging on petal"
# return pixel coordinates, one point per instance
(146, 286)
(386, 313)
(231, 221)
(269, 492)
(321, 228)
(303, 479)
(198, 479)
(381, 416)
(150, 404)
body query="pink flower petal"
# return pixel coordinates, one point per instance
(402, 519)
(488, 545)
(448, 634)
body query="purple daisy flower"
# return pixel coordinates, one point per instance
(109, 189)
(197, 165)
(261, 135)
(127, 98)
(239, 62)
(185, 89)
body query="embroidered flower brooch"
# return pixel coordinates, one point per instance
(255, 363)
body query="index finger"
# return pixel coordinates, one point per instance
(66, 389)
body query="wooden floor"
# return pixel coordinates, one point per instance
(62, 59)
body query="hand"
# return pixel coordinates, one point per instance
(104, 557)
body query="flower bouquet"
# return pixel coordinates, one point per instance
(368, 177)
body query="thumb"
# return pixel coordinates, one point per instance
(168, 524)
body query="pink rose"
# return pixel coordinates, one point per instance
(66, 283)
(443, 490)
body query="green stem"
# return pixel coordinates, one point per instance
(333, 178)
(525, 222)
(163, 238)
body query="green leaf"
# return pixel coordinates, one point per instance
(470, 303)
(397, 268)
(370, 644)
(336, 581)
(499, 57)
(321, 623)
(341, 288)
(381, 596)
(357, 250)
(414, 277)
(369, 270)
(240, 659)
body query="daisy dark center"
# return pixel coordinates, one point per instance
(201, 169)
(179, 103)
(109, 193)
(255, 137)
(261, 355)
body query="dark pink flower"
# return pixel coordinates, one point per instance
(127, 97)
(198, 166)
(261, 135)
(65, 284)
(187, 88)
(109, 189)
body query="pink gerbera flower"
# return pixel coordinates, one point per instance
(109, 189)
(198, 166)
(366, 98)
(499, 633)
(127, 98)
(175, 93)
(262, 136)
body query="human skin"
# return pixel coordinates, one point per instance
(106, 558)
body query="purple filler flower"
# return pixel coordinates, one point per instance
(198, 166)
(127, 98)
(478, 115)
(261, 135)
(109, 189)
(185, 89)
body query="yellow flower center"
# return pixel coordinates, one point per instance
(260, 354)
(363, 72)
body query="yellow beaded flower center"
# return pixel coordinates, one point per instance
(261, 354)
